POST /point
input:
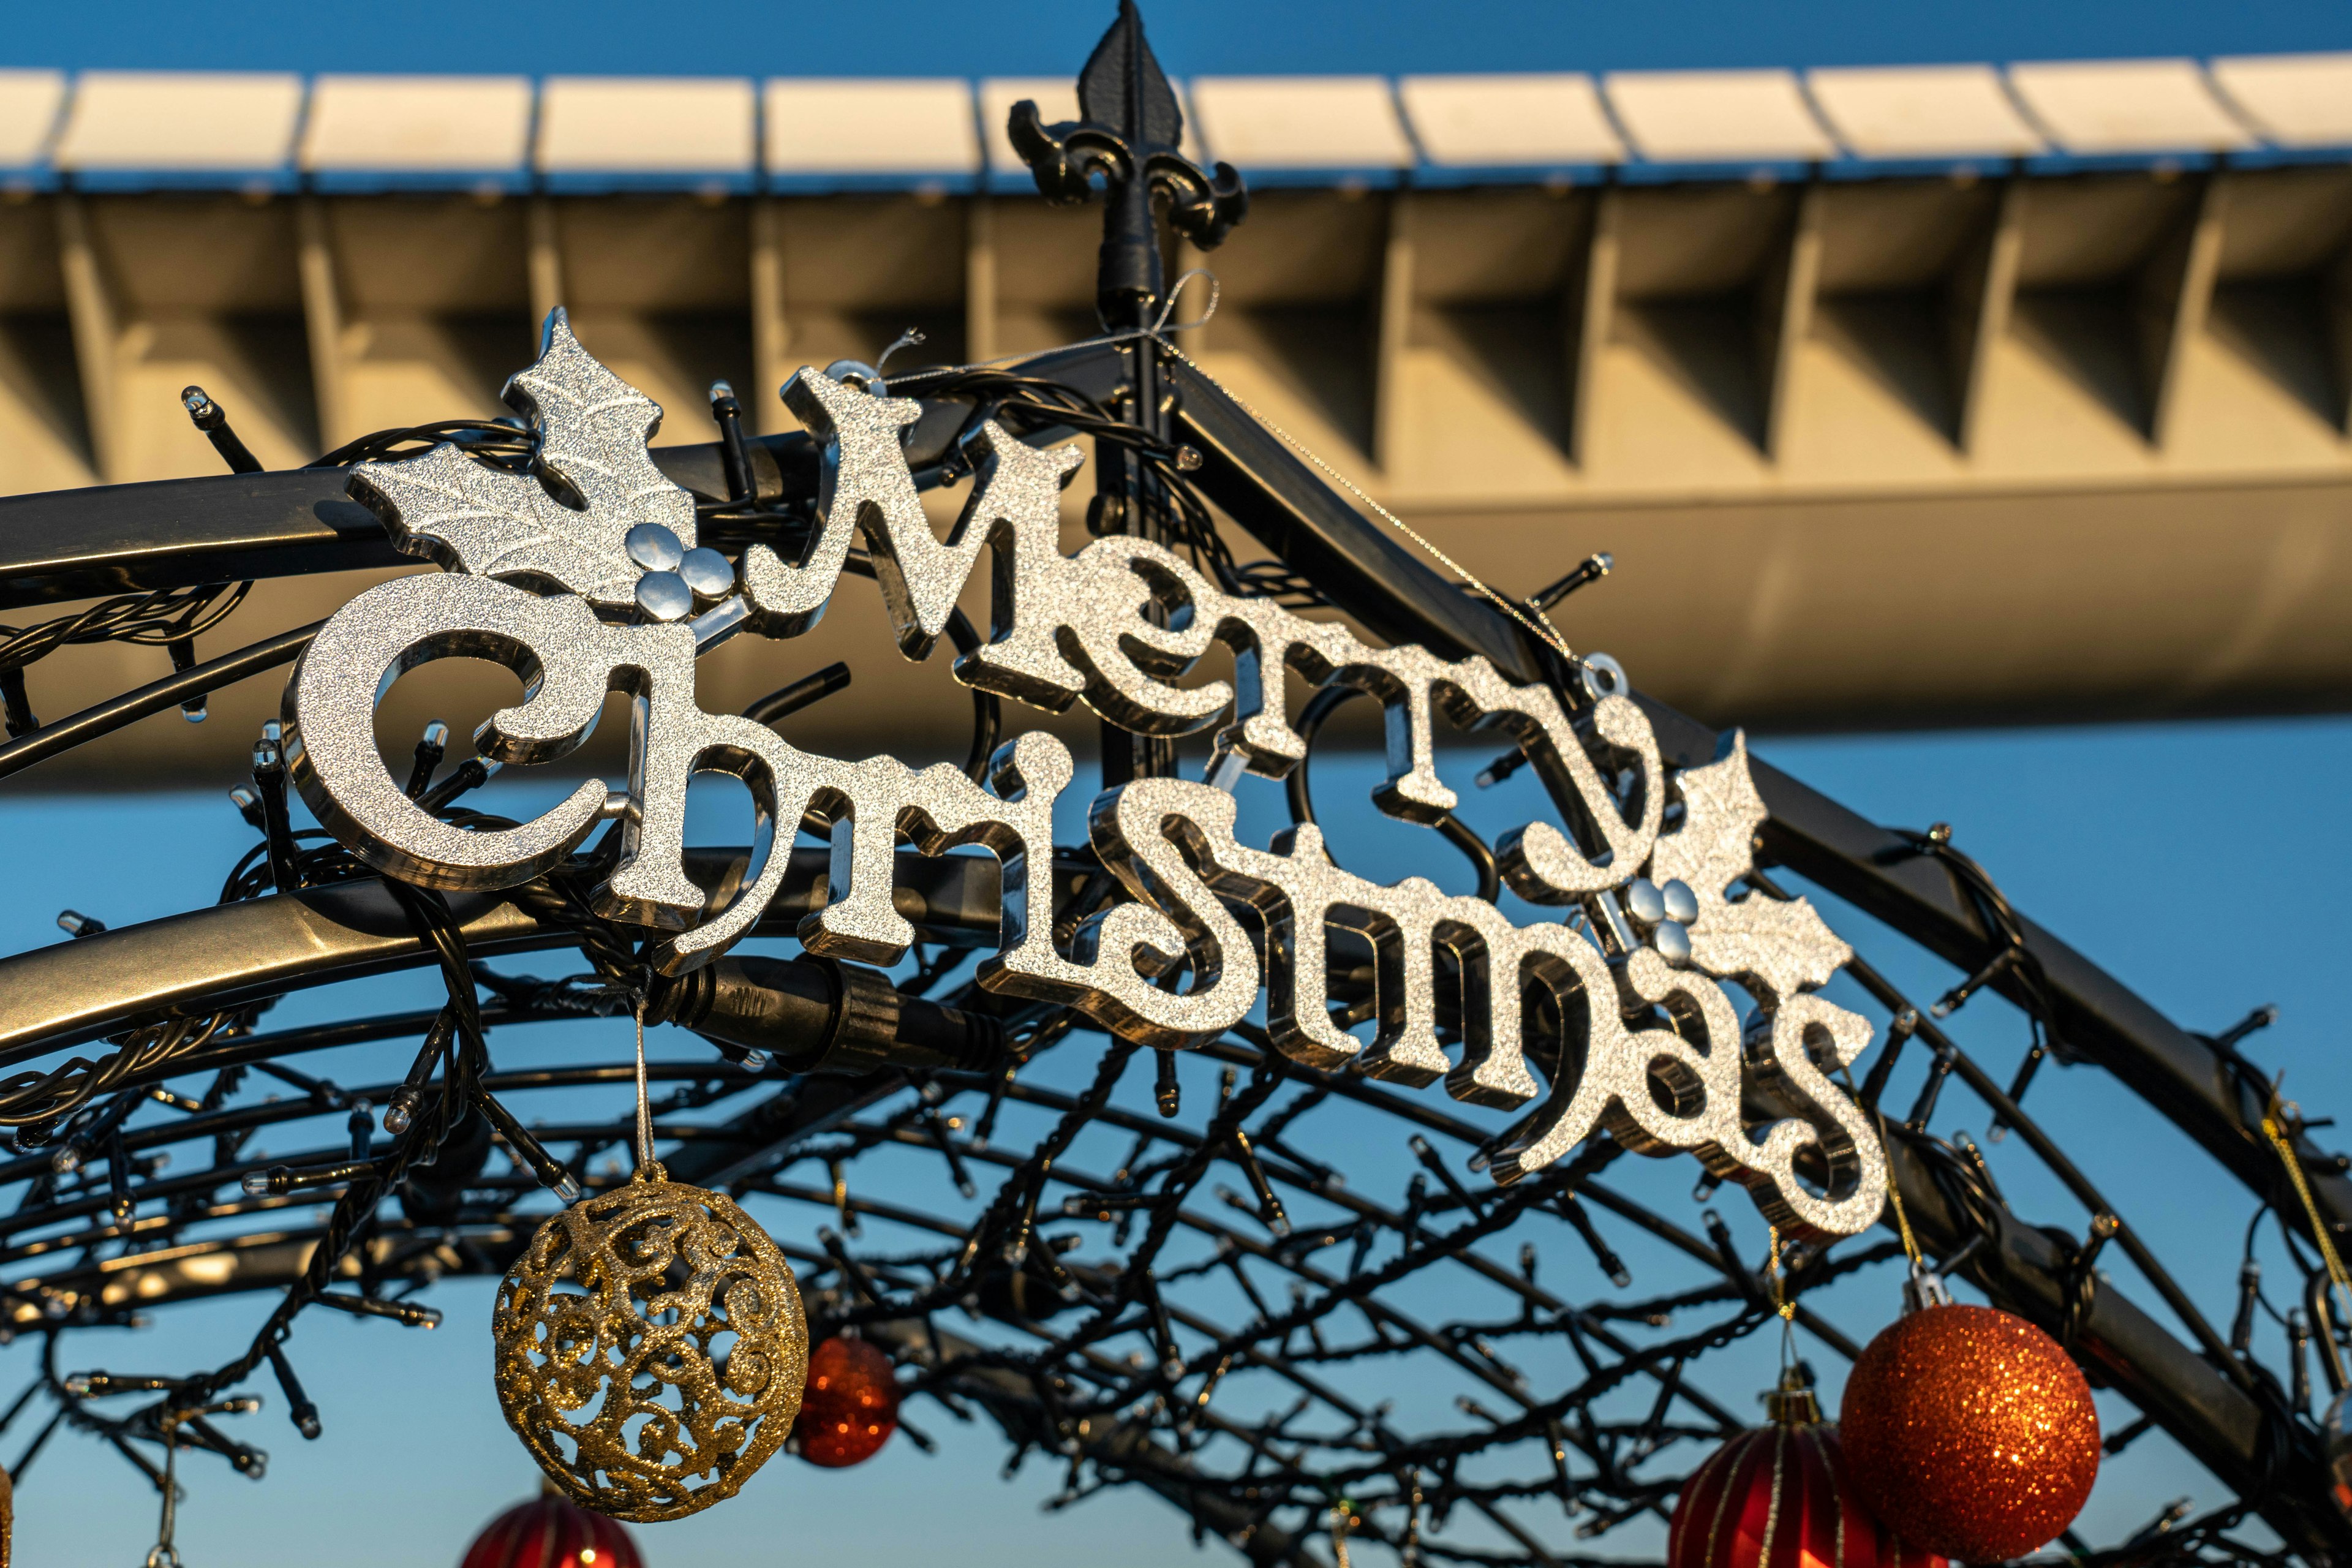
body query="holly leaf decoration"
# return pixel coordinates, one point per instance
(593, 427)
(1786, 947)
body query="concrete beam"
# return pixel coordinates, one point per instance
(1976, 302)
(1784, 309)
(1963, 402)
(979, 327)
(545, 260)
(771, 328)
(2335, 292)
(2171, 296)
(1394, 326)
(322, 322)
(97, 337)
(1590, 302)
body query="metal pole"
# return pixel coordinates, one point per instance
(1129, 138)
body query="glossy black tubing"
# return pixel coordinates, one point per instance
(50, 740)
(815, 1016)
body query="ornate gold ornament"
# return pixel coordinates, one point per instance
(606, 1331)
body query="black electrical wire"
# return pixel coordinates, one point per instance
(105, 718)
(786, 700)
(493, 441)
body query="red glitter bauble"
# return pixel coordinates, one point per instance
(552, 1532)
(850, 1406)
(2336, 1426)
(1782, 1496)
(1972, 1430)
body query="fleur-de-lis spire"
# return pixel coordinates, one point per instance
(1123, 89)
(1131, 133)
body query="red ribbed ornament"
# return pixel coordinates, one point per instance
(1780, 1497)
(552, 1532)
(1974, 1428)
(850, 1406)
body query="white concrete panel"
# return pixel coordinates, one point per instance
(1302, 122)
(1717, 117)
(180, 119)
(2294, 100)
(1923, 111)
(2128, 106)
(645, 125)
(1504, 119)
(29, 102)
(1057, 97)
(417, 122)
(920, 125)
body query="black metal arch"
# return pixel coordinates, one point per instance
(145, 988)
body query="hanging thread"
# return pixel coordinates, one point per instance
(644, 1111)
(2274, 1129)
(1894, 1193)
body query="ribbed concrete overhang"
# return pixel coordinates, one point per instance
(1883, 451)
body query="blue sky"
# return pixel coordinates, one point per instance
(1196, 36)
(2203, 864)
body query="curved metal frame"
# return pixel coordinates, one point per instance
(188, 532)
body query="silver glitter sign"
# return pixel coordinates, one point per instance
(588, 580)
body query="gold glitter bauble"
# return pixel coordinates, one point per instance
(1971, 1433)
(605, 1331)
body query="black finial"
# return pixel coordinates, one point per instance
(1131, 134)
(1124, 91)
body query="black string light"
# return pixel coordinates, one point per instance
(1222, 1372)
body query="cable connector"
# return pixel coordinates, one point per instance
(17, 705)
(430, 750)
(209, 417)
(1501, 768)
(1167, 1093)
(471, 774)
(102, 1385)
(280, 1180)
(269, 788)
(728, 414)
(527, 1151)
(400, 1111)
(2262, 1017)
(184, 659)
(376, 1307)
(1594, 568)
